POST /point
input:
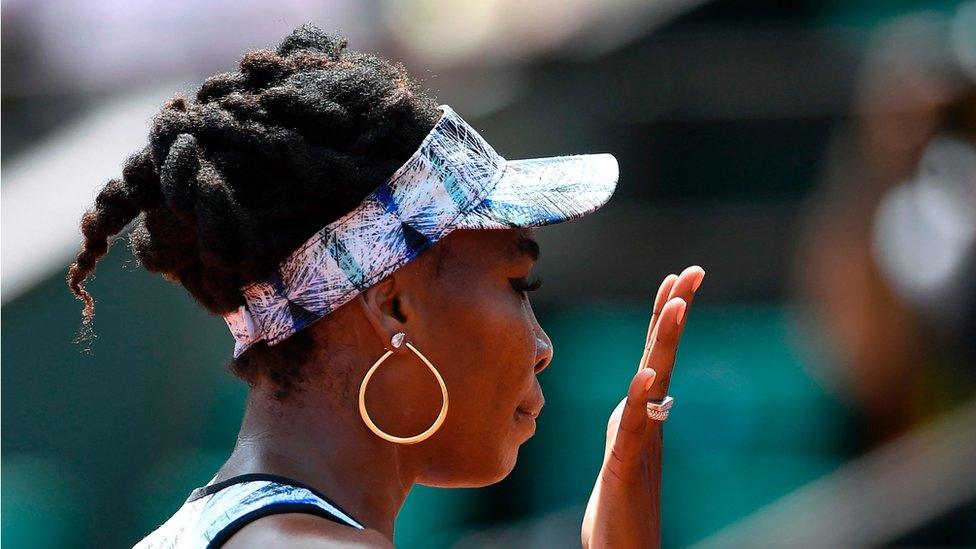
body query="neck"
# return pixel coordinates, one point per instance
(329, 448)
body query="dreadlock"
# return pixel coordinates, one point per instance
(231, 183)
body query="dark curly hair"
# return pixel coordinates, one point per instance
(230, 184)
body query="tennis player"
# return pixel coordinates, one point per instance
(371, 255)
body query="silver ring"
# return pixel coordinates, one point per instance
(659, 411)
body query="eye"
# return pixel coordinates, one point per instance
(523, 285)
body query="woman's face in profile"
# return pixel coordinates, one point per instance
(468, 313)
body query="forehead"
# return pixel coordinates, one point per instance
(484, 249)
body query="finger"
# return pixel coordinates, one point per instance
(659, 301)
(685, 287)
(665, 346)
(696, 275)
(633, 421)
(662, 297)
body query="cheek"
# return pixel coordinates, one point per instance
(494, 354)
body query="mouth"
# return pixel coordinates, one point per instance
(531, 408)
(522, 414)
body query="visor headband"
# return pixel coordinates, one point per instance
(450, 174)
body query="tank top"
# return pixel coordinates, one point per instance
(215, 512)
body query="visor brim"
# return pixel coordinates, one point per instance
(543, 191)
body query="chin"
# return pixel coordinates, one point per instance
(506, 466)
(478, 475)
(491, 477)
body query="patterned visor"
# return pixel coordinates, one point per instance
(455, 180)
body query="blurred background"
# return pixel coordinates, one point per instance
(818, 159)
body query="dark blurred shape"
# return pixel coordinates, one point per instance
(924, 237)
(891, 278)
(888, 260)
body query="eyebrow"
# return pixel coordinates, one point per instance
(525, 245)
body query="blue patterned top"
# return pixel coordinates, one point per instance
(215, 512)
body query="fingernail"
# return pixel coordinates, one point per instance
(681, 313)
(650, 380)
(698, 283)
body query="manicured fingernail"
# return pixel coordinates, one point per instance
(698, 283)
(650, 380)
(681, 313)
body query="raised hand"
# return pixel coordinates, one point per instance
(624, 508)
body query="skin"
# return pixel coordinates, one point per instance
(624, 509)
(458, 306)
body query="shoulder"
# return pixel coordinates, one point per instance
(303, 530)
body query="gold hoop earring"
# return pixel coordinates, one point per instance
(398, 340)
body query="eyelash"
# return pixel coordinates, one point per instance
(522, 285)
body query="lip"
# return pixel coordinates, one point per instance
(528, 413)
(526, 421)
(524, 414)
(533, 407)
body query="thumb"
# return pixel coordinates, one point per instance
(629, 441)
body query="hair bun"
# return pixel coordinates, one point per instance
(310, 37)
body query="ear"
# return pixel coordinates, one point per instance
(381, 304)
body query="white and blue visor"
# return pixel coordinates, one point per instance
(455, 180)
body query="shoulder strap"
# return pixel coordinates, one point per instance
(240, 500)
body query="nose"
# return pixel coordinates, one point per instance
(543, 345)
(543, 352)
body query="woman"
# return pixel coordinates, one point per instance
(338, 220)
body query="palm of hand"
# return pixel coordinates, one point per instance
(624, 507)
